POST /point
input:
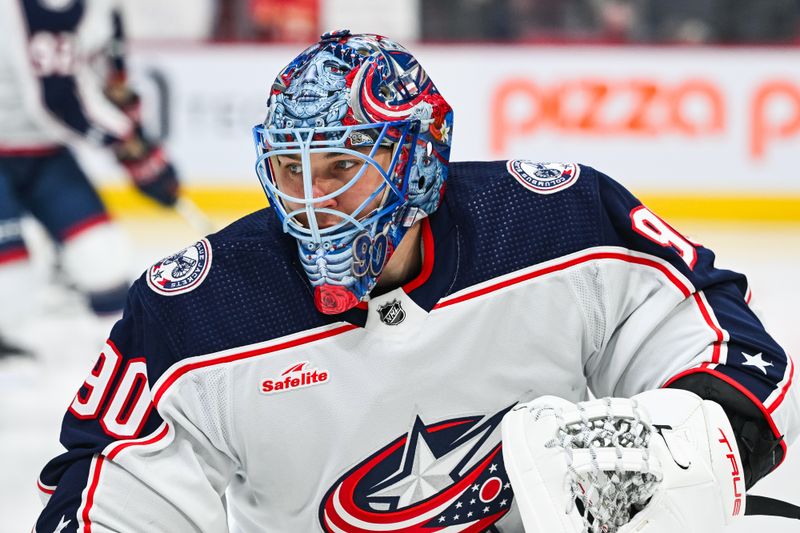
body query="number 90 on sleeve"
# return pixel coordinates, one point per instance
(123, 410)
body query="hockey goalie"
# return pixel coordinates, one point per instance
(342, 361)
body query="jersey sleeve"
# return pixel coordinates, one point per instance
(131, 464)
(62, 93)
(672, 318)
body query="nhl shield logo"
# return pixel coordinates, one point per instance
(544, 178)
(392, 313)
(181, 272)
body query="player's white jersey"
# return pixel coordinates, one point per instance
(49, 92)
(222, 377)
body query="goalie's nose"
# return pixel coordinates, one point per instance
(324, 220)
(311, 74)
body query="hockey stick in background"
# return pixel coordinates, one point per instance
(761, 505)
(194, 216)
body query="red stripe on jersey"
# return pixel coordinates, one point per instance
(245, 355)
(76, 229)
(45, 488)
(427, 258)
(685, 290)
(155, 438)
(706, 312)
(98, 465)
(14, 254)
(87, 523)
(774, 405)
(29, 151)
(741, 388)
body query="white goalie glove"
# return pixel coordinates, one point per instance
(663, 461)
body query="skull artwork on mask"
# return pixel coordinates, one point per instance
(354, 95)
(318, 97)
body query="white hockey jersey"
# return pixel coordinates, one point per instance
(223, 391)
(50, 94)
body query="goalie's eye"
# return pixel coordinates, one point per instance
(334, 68)
(345, 164)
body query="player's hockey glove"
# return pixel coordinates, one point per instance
(660, 462)
(126, 99)
(147, 166)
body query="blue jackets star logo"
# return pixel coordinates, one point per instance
(447, 474)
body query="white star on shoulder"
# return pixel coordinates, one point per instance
(756, 361)
(61, 524)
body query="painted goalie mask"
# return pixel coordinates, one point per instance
(353, 151)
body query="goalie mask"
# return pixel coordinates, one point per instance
(353, 152)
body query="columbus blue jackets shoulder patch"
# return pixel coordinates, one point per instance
(543, 178)
(181, 272)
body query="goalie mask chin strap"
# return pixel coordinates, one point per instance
(762, 505)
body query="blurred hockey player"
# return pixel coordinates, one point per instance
(343, 361)
(62, 81)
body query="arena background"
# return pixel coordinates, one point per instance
(702, 123)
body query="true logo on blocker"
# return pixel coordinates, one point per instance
(297, 376)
